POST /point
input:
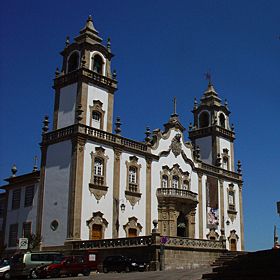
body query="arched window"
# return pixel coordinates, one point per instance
(225, 163)
(73, 62)
(204, 119)
(164, 181)
(132, 175)
(175, 182)
(96, 118)
(97, 65)
(98, 167)
(222, 120)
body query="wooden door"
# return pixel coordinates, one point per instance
(233, 245)
(96, 232)
(132, 232)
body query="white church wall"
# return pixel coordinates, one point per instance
(139, 209)
(89, 202)
(205, 145)
(235, 224)
(22, 214)
(56, 193)
(97, 93)
(204, 210)
(67, 104)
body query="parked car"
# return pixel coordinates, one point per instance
(23, 265)
(5, 269)
(69, 266)
(121, 263)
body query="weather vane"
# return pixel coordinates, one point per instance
(208, 77)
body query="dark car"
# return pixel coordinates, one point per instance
(121, 263)
(70, 266)
(5, 269)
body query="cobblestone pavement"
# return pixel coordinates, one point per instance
(182, 274)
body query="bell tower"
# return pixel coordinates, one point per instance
(211, 130)
(85, 86)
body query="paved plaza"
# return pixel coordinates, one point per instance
(181, 274)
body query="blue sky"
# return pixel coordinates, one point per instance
(163, 48)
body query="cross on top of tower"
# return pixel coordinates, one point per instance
(208, 77)
(174, 105)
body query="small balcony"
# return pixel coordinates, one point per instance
(176, 195)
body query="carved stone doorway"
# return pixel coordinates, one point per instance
(233, 245)
(132, 232)
(96, 232)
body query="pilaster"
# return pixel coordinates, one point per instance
(41, 190)
(75, 189)
(110, 112)
(222, 205)
(240, 186)
(148, 195)
(200, 205)
(116, 193)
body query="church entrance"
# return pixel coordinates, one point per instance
(182, 225)
(132, 232)
(96, 232)
(233, 244)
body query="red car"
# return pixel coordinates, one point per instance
(70, 266)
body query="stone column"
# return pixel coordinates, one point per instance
(241, 217)
(200, 205)
(116, 193)
(148, 195)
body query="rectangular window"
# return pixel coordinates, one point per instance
(26, 229)
(29, 195)
(13, 235)
(16, 199)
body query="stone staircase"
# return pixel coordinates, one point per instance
(259, 265)
(226, 257)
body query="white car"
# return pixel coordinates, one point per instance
(5, 269)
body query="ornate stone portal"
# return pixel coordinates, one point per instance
(176, 212)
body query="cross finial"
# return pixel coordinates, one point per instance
(208, 77)
(174, 105)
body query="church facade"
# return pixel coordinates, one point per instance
(95, 184)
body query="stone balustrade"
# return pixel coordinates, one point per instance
(90, 132)
(176, 193)
(144, 241)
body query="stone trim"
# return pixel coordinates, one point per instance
(132, 224)
(231, 206)
(97, 107)
(234, 236)
(132, 192)
(97, 185)
(97, 219)
(175, 170)
(212, 234)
